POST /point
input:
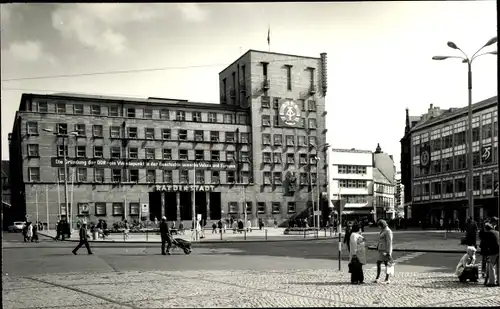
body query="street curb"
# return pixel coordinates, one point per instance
(197, 242)
(424, 250)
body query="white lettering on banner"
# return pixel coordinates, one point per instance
(184, 188)
(154, 164)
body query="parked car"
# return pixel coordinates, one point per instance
(16, 227)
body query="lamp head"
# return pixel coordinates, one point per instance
(440, 57)
(452, 45)
(491, 42)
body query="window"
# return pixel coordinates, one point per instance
(459, 138)
(134, 209)
(150, 153)
(301, 140)
(148, 113)
(267, 178)
(261, 207)
(166, 134)
(290, 158)
(487, 131)
(116, 175)
(243, 119)
(245, 138)
(230, 177)
(313, 159)
(215, 155)
(95, 110)
(476, 158)
(180, 116)
(164, 114)
(131, 112)
(183, 176)
(215, 177)
(476, 183)
(81, 174)
(198, 135)
(34, 174)
(150, 176)
(83, 209)
(303, 158)
(303, 179)
(62, 150)
(312, 140)
(288, 77)
(230, 138)
(214, 136)
(183, 135)
(115, 152)
(314, 178)
(276, 102)
(266, 120)
(133, 176)
(200, 176)
(460, 161)
(197, 116)
(233, 207)
(212, 117)
(460, 185)
(100, 209)
(77, 109)
(266, 157)
(199, 155)
(312, 123)
(228, 118)
(114, 132)
(278, 139)
(244, 156)
(132, 132)
(117, 209)
(168, 176)
(33, 151)
(114, 111)
(62, 128)
(167, 154)
(81, 151)
(277, 157)
(276, 207)
(291, 207)
(245, 177)
(80, 129)
(60, 173)
(487, 181)
(99, 175)
(266, 139)
(133, 153)
(265, 102)
(248, 207)
(43, 107)
(61, 108)
(436, 166)
(311, 105)
(290, 140)
(475, 134)
(277, 178)
(183, 154)
(149, 133)
(97, 130)
(311, 76)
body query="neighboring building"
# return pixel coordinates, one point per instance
(7, 209)
(399, 196)
(134, 158)
(434, 163)
(365, 181)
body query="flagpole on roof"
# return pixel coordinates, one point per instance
(269, 38)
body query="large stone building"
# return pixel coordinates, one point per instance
(143, 158)
(434, 162)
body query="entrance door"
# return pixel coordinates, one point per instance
(154, 205)
(201, 204)
(215, 205)
(186, 205)
(171, 206)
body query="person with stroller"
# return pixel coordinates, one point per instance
(466, 268)
(357, 255)
(165, 236)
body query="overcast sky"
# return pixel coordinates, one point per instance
(379, 54)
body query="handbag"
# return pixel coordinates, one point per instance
(390, 269)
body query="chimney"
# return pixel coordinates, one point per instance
(407, 127)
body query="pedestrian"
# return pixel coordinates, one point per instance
(357, 255)
(83, 239)
(240, 226)
(34, 238)
(384, 248)
(490, 245)
(466, 268)
(58, 230)
(93, 230)
(234, 226)
(441, 222)
(249, 226)
(481, 245)
(165, 236)
(181, 228)
(29, 233)
(347, 237)
(471, 233)
(220, 226)
(275, 224)
(214, 228)
(126, 229)
(25, 232)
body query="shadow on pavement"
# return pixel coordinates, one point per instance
(322, 283)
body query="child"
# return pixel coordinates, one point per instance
(466, 268)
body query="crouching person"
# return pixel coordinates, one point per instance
(466, 268)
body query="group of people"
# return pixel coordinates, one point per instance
(30, 231)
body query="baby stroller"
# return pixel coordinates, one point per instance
(181, 244)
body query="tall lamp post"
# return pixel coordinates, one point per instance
(318, 197)
(64, 137)
(469, 60)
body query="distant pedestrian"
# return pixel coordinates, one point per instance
(34, 238)
(249, 226)
(165, 236)
(384, 248)
(29, 233)
(220, 226)
(471, 233)
(240, 226)
(357, 256)
(347, 237)
(214, 228)
(126, 229)
(83, 239)
(234, 226)
(275, 224)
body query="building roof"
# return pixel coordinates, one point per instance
(454, 113)
(352, 150)
(379, 177)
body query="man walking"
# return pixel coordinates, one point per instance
(83, 239)
(165, 236)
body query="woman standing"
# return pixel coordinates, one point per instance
(384, 248)
(29, 233)
(357, 255)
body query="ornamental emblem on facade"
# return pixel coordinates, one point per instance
(289, 113)
(486, 155)
(424, 158)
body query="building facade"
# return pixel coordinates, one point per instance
(399, 196)
(438, 174)
(140, 159)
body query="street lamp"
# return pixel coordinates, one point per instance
(66, 205)
(316, 217)
(466, 59)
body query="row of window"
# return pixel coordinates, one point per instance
(457, 185)
(383, 202)
(383, 188)
(145, 113)
(290, 140)
(311, 122)
(276, 158)
(355, 199)
(184, 176)
(344, 183)
(234, 207)
(265, 102)
(351, 169)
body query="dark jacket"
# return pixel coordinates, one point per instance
(470, 233)
(490, 243)
(83, 233)
(164, 231)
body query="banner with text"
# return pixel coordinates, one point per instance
(147, 164)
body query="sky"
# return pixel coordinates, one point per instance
(379, 55)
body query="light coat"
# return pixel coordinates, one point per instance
(30, 231)
(357, 247)
(385, 241)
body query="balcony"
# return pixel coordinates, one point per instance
(266, 84)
